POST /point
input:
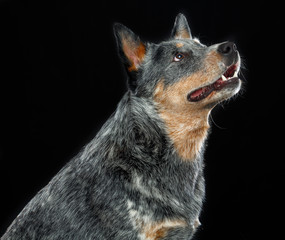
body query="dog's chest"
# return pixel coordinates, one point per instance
(157, 210)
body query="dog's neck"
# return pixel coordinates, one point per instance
(141, 123)
(187, 132)
(186, 126)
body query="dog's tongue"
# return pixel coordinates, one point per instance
(203, 92)
(219, 84)
(197, 93)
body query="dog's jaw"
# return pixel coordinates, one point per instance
(228, 80)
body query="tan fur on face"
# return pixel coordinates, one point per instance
(187, 122)
(186, 127)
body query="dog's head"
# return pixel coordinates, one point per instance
(184, 78)
(194, 74)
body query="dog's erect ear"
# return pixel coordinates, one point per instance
(131, 48)
(181, 28)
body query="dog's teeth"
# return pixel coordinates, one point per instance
(224, 78)
(235, 74)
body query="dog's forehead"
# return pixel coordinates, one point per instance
(188, 43)
(182, 45)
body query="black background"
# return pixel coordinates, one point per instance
(60, 79)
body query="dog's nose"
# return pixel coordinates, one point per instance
(227, 48)
(229, 52)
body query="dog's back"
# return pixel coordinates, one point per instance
(141, 177)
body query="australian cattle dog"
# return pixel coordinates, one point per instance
(141, 177)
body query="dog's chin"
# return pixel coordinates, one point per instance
(225, 93)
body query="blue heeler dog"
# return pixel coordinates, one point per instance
(141, 177)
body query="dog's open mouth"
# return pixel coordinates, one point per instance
(228, 77)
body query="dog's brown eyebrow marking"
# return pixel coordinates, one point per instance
(179, 45)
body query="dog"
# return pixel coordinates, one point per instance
(141, 177)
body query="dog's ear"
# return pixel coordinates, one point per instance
(181, 28)
(131, 48)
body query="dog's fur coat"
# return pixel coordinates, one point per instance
(141, 177)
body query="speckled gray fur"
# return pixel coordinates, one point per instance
(129, 170)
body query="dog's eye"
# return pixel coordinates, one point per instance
(178, 57)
